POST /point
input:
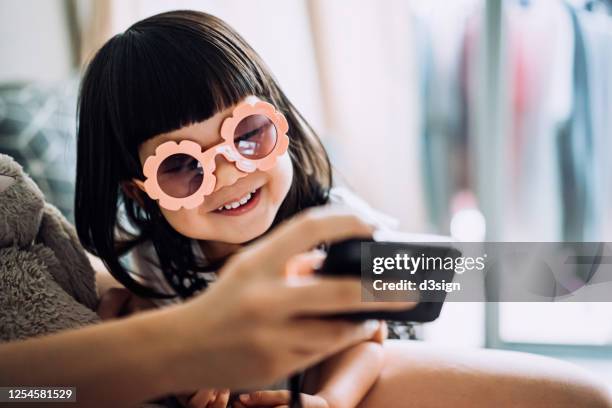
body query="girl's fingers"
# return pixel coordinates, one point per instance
(381, 334)
(271, 397)
(221, 400)
(302, 233)
(201, 398)
(112, 303)
(137, 304)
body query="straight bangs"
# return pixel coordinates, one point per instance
(169, 76)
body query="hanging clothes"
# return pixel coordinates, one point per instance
(440, 41)
(539, 56)
(585, 142)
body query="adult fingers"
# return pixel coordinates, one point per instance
(324, 335)
(300, 234)
(311, 296)
(325, 338)
(329, 295)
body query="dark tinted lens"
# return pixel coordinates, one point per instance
(180, 175)
(255, 136)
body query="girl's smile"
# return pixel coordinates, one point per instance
(242, 206)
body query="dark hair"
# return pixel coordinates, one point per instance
(161, 74)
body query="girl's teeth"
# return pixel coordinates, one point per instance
(238, 203)
(245, 198)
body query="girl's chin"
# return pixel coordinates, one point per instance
(238, 230)
(239, 235)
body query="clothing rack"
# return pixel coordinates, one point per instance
(489, 131)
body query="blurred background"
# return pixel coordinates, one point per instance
(481, 119)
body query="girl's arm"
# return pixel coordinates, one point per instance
(341, 381)
(345, 378)
(114, 300)
(104, 280)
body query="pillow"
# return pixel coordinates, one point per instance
(37, 128)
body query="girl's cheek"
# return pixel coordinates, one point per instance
(181, 221)
(280, 178)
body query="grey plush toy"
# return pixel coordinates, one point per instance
(46, 281)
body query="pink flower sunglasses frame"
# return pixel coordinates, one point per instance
(206, 158)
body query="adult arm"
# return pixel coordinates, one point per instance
(117, 363)
(185, 347)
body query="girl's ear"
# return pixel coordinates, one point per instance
(134, 189)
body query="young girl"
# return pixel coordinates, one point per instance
(175, 77)
(168, 172)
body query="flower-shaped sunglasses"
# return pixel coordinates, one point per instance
(181, 174)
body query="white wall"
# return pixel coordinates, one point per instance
(34, 40)
(277, 29)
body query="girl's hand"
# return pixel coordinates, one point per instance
(381, 334)
(120, 302)
(277, 399)
(206, 399)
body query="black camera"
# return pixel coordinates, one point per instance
(344, 258)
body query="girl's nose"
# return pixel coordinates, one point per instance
(226, 172)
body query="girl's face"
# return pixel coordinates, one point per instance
(236, 225)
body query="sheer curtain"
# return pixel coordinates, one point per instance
(368, 68)
(348, 65)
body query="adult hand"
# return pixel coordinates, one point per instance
(255, 326)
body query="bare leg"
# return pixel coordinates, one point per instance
(421, 375)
